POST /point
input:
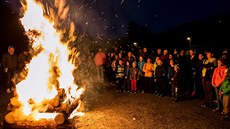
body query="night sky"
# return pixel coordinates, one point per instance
(110, 17)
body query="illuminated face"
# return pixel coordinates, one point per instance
(165, 52)
(200, 56)
(144, 49)
(134, 65)
(219, 63)
(140, 58)
(158, 51)
(11, 50)
(209, 55)
(120, 62)
(171, 62)
(129, 54)
(148, 60)
(99, 49)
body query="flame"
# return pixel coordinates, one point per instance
(50, 68)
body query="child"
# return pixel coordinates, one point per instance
(175, 83)
(134, 77)
(217, 78)
(170, 74)
(225, 92)
(127, 78)
(120, 75)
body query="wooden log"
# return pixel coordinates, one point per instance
(50, 108)
(14, 102)
(9, 118)
(55, 101)
(64, 107)
(59, 119)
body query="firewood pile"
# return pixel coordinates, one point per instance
(59, 108)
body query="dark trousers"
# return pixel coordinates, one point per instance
(160, 85)
(141, 83)
(120, 83)
(208, 92)
(148, 85)
(127, 84)
(9, 76)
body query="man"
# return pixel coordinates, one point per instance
(9, 64)
(100, 60)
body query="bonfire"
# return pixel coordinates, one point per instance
(48, 91)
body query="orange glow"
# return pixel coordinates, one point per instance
(42, 83)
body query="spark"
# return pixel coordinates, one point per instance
(122, 1)
(106, 27)
(100, 18)
(82, 1)
(80, 7)
(93, 2)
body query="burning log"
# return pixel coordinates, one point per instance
(41, 120)
(59, 119)
(14, 102)
(55, 101)
(9, 118)
(15, 116)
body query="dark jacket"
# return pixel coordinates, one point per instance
(9, 61)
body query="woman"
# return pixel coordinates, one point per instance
(217, 79)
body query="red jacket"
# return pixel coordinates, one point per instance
(100, 59)
(218, 76)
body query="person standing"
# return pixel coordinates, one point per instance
(100, 60)
(120, 75)
(9, 64)
(160, 75)
(134, 77)
(127, 84)
(141, 82)
(209, 65)
(176, 79)
(217, 79)
(148, 69)
(224, 93)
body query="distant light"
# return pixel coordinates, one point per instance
(188, 38)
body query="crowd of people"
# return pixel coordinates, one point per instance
(179, 74)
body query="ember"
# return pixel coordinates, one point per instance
(48, 93)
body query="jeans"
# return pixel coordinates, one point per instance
(100, 73)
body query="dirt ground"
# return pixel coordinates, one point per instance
(106, 109)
